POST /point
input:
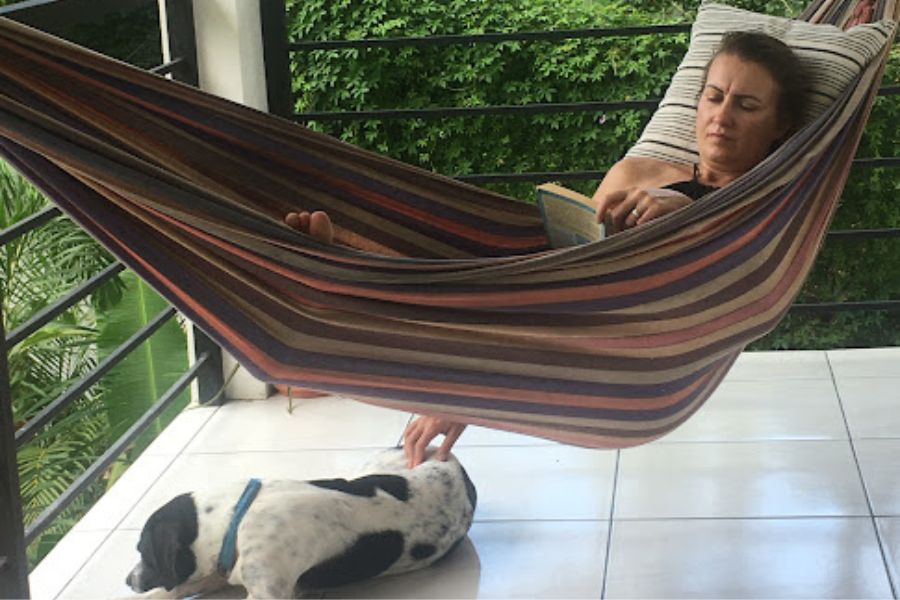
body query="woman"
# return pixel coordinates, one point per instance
(751, 100)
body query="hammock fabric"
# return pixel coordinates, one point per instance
(457, 307)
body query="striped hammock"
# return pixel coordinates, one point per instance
(450, 303)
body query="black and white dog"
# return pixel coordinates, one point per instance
(300, 536)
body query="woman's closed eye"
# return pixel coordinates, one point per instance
(746, 104)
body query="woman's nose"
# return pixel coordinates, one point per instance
(724, 112)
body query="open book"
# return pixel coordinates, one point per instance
(570, 218)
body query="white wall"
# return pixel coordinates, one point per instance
(230, 64)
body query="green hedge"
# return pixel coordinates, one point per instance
(570, 71)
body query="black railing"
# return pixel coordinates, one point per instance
(206, 370)
(280, 78)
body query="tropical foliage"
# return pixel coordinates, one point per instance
(37, 269)
(573, 70)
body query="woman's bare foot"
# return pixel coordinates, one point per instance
(318, 224)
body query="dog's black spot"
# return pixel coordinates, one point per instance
(470, 488)
(370, 555)
(208, 509)
(422, 551)
(366, 486)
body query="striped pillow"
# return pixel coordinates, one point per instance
(833, 58)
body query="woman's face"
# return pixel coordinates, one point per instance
(737, 116)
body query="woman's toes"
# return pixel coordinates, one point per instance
(292, 219)
(298, 220)
(320, 227)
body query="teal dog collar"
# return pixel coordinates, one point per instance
(228, 553)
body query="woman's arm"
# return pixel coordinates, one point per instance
(630, 193)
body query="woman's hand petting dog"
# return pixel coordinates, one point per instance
(422, 430)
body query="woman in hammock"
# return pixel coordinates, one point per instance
(752, 98)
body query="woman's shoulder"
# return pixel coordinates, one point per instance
(631, 172)
(652, 172)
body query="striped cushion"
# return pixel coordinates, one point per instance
(833, 58)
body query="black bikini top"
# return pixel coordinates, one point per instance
(693, 189)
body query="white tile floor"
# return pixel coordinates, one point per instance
(785, 485)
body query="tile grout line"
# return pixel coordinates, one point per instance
(178, 454)
(862, 480)
(609, 532)
(87, 559)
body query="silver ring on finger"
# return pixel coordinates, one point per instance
(636, 213)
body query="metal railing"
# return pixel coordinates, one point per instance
(279, 77)
(206, 370)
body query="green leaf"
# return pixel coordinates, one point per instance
(141, 379)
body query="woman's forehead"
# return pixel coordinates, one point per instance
(732, 73)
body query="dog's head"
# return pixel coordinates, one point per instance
(165, 546)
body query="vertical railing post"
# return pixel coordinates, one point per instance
(13, 560)
(278, 65)
(210, 377)
(178, 31)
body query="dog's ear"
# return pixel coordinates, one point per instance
(174, 559)
(166, 542)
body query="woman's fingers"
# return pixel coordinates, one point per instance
(644, 205)
(450, 438)
(410, 440)
(624, 215)
(607, 204)
(422, 431)
(660, 202)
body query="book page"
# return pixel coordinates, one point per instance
(570, 218)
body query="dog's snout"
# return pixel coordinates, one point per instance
(133, 579)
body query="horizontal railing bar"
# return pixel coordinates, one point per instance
(51, 15)
(473, 111)
(54, 310)
(99, 466)
(543, 176)
(871, 163)
(831, 307)
(31, 428)
(166, 68)
(28, 224)
(869, 234)
(488, 38)
(539, 176)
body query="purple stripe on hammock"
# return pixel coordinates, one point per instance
(185, 110)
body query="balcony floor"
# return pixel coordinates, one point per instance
(785, 485)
